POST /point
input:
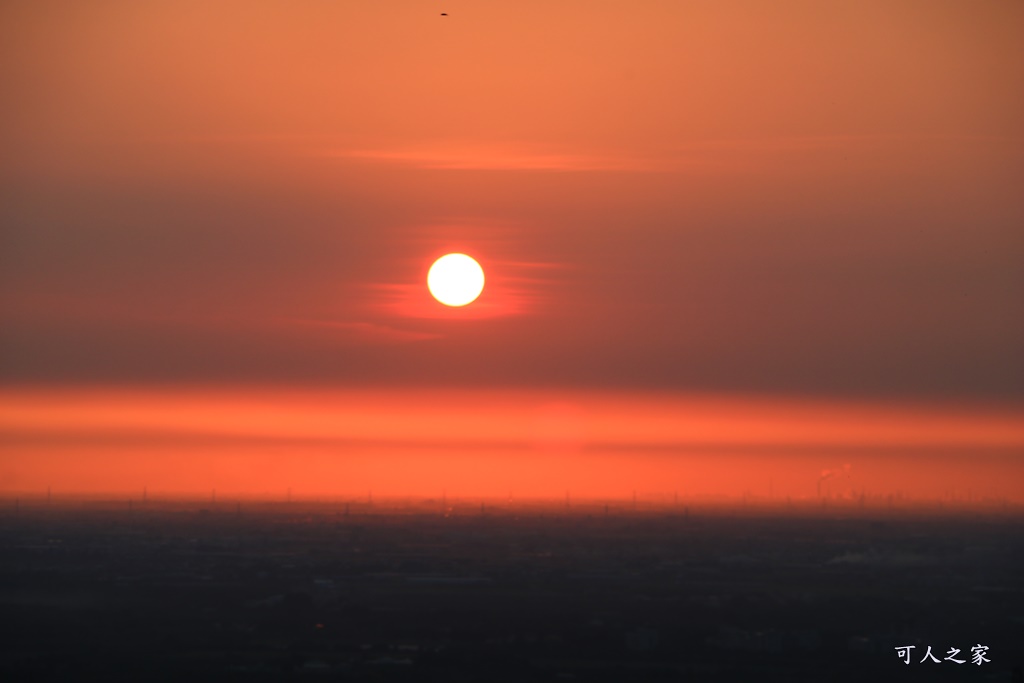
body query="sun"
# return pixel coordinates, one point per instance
(455, 280)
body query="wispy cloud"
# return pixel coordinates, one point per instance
(461, 157)
(366, 332)
(695, 155)
(412, 300)
(603, 421)
(702, 155)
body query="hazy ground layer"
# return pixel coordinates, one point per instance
(449, 590)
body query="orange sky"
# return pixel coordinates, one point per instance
(685, 200)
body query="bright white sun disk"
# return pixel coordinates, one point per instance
(455, 280)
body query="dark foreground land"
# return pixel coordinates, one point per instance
(318, 592)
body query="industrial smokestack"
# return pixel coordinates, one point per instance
(830, 473)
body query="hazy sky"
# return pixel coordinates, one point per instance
(779, 198)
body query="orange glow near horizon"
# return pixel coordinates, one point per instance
(525, 443)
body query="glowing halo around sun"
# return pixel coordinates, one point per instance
(455, 280)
